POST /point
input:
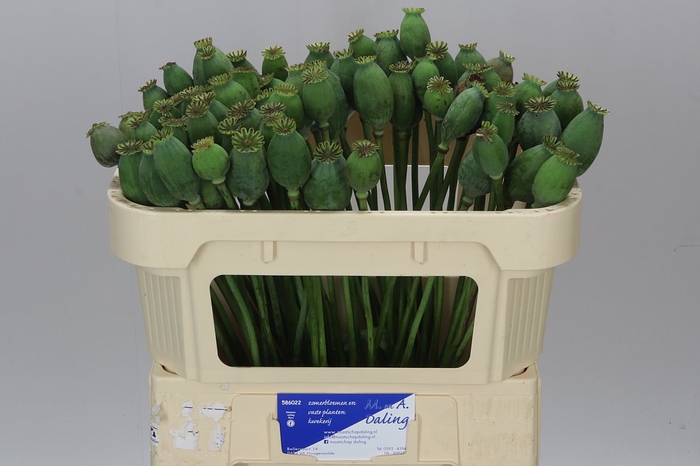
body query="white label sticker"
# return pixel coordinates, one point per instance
(348, 427)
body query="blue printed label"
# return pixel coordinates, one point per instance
(345, 427)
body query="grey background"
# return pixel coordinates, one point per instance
(621, 382)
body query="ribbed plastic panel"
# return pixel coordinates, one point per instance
(161, 300)
(526, 314)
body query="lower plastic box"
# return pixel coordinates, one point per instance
(222, 424)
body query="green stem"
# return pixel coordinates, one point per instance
(246, 322)
(226, 194)
(457, 323)
(276, 311)
(437, 168)
(385, 311)
(335, 333)
(415, 163)
(452, 172)
(436, 204)
(343, 137)
(350, 321)
(497, 193)
(480, 203)
(400, 141)
(269, 349)
(299, 334)
(452, 176)
(405, 319)
(225, 333)
(417, 320)
(325, 132)
(369, 322)
(379, 140)
(437, 327)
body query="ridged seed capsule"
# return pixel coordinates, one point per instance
(320, 51)
(289, 158)
(538, 121)
(414, 33)
(388, 49)
(363, 170)
(569, 101)
(555, 178)
(248, 177)
(228, 91)
(503, 66)
(130, 155)
(584, 135)
(327, 188)
(361, 45)
(468, 54)
(175, 78)
(152, 92)
(274, 62)
(345, 67)
(104, 140)
(443, 60)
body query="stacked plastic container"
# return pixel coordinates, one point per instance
(207, 413)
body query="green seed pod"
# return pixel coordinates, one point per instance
(214, 62)
(522, 170)
(388, 49)
(141, 128)
(211, 196)
(129, 162)
(288, 156)
(152, 92)
(423, 72)
(162, 108)
(320, 51)
(490, 152)
(262, 98)
(265, 81)
(151, 183)
(463, 114)
(294, 107)
(502, 92)
(266, 125)
(374, 98)
(227, 127)
(584, 135)
(503, 66)
(474, 181)
(490, 77)
(228, 91)
(438, 97)
(468, 54)
(345, 67)
(364, 167)
(178, 126)
(175, 78)
(414, 33)
(198, 77)
(201, 123)
(174, 165)
(526, 89)
(569, 101)
(210, 161)
(124, 121)
(555, 178)
(247, 113)
(443, 60)
(274, 62)
(183, 98)
(561, 75)
(238, 59)
(327, 188)
(361, 45)
(294, 76)
(339, 118)
(538, 121)
(504, 120)
(104, 140)
(317, 95)
(248, 177)
(403, 115)
(247, 78)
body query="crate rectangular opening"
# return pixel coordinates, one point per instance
(343, 321)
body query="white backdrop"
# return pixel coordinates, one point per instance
(621, 379)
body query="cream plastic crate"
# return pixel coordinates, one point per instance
(511, 255)
(212, 424)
